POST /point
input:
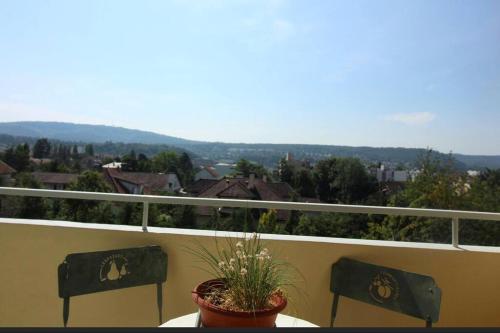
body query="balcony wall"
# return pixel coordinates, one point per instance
(30, 251)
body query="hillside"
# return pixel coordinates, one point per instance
(267, 154)
(86, 133)
(105, 148)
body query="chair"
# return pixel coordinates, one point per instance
(408, 293)
(91, 272)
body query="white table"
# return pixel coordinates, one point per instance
(281, 321)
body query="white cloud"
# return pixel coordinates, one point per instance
(413, 118)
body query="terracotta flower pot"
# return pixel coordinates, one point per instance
(214, 316)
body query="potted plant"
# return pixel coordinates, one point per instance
(247, 289)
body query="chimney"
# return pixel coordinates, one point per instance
(227, 182)
(251, 180)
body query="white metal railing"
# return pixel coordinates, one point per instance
(454, 215)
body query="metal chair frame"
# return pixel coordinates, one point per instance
(91, 272)
(404, 292)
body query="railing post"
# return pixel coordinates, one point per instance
(454, 231)
(145, 215)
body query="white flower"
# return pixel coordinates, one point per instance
(222, 264)
(264, 252)
(231, 267)
(232, 261)
(243, 271)
(239, 244)
(238, 254)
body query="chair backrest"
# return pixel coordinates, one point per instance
(91, 272)
(408, 293)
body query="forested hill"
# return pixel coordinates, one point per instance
(266, 154)
(106, 148)
(86, 133)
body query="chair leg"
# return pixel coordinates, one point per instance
(65, 311)
(428, 323)
(334, 308)
(159, 300)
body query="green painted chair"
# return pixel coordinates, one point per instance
(408, 293)
(91, 272)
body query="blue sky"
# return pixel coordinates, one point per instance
(370, 73)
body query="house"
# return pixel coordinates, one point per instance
(6, 173)
(250, 188)
(55, 180)
(216, 171)
(113, 165)
(141, 182)
(206, 172)
(387, 175)
(40, 161)
(90, 162)
(298, 164)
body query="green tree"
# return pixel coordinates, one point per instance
(303, 182)
(89, 150)
(439, 185)
(29, 207)
(165, 221)
(88, 210)
(143, 163)
(343, 180)
(332, 225)
(41, 149)
(130, 160)
(186, 170)
(483, 195)
(285, 171)
(245, 168)
(18, 158)
(268, 223)
(184, 217)
(166, 161)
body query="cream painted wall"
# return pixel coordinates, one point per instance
(31, 250)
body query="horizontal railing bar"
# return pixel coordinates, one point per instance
(215, 202)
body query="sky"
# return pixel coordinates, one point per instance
(359, 73)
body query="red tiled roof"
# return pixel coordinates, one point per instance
(54, 177)
(6, 169)
(212, 171)
(283, 190)
(109, 175)
(238, 188)
(144, 178)
(151, 182)
(200, 186)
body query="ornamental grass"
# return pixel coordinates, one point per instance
(250, 274)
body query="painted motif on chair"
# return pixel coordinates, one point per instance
(384, 288)
(113, 268)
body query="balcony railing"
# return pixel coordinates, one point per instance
(32, 250)
(453, 215)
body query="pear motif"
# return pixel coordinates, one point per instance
(113, 273)
(123, 271)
